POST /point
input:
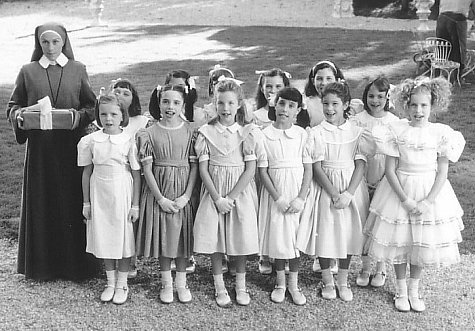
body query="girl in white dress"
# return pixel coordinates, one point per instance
(415, 217)
(111, 189)
(332, 226)
(226, 220)
(376, 112)
(286, 172)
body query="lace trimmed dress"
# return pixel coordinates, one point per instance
(170, 150)
(324, 230)
(227, 149)
(110, 234)
(396, 236)
(285, 155)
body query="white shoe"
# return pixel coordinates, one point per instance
(120, 295)
(363, 278)
(108, 293)
(265, 267)
(191, 266)
(379, 279)
(132, 272)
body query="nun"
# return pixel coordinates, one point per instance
(52, 236)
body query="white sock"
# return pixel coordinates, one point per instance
(413, 287)
(241, 280)
(381, 267)
(401, 287)
(327, 277)
(180, 279)
(293, 278)
(280, 279)
(342, 277)
(111, 279)
(219, 283)
(166, 278)
(366, 263)
(122, 279)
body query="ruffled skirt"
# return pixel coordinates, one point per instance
(398, 237)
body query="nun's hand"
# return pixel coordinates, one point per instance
(19, 118)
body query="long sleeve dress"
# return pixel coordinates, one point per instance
(52, 237)
(285, 155)
(226, 149)
(170, 150)
(396, 236)
(324, 230)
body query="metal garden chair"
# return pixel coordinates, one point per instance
(439, 59)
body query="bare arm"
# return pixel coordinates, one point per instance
(390, 173)
(86, 182)
(192, 179)
(167, 205)
(440, 178)
(357, 176)
(268, 184)
(244, 179)
(322, 180)
(136, 187)
(306, 180)
(207, 181)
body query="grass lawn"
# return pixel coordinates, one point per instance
(449, 293)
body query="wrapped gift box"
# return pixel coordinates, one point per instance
(62, 119)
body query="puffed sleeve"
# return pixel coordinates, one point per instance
(201, 148)
(306, 157)
(252, 143)
(192, 155)
(385, 140)
(145, 147)
(133, 156)
(451, 144)
(366, 145)
(18, 100)
(85, 151)
(315, 146)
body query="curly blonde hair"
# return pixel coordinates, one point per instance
(439, 89)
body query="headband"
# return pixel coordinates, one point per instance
(222, 78)
(265, 72)
(331, 64)
(218, 67)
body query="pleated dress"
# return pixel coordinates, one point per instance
(285, 154)
(396, 236)
(227, 149)
(109, 233)
(170, 151)
(324, 230)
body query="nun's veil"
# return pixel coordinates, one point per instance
(61, 30)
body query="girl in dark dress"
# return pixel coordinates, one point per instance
(52, 234)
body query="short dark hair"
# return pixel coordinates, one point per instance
(134, 108)
(342, 91)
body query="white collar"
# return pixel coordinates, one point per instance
(330, 127)
(61, 60)
(232, 128)
(117, 139)
(273, 133)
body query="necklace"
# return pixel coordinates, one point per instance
(55, 98)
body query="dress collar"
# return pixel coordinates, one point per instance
(330, 127)
(273, 133)
(61, 60)
(117, 139)
(233, 128)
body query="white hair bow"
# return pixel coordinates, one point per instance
(223, 78)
